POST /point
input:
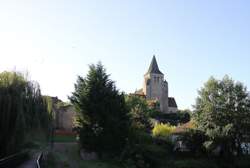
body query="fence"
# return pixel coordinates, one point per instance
(14, 160)
(39, 159)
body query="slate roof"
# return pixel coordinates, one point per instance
(171, 102)
(153, 68)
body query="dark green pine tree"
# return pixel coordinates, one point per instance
(102, 115)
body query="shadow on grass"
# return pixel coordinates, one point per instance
(67, 156)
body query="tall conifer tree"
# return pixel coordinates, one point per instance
(102, 113)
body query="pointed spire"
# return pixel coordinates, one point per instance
(153, 68)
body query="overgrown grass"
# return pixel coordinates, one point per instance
(99, 164)
(69, 156)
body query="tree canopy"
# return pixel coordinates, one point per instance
(139, 113)
(22, 110)
(222, 111)
(101, 112)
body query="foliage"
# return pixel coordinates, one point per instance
(23, 110)
(139, 112)
(144, 151)
(180, 117)
(222, 111)
(162, 130)
(102, 113)
(193, 140)
(61, 104)
(243, 162)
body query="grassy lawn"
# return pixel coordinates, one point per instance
(99, 164)
(67, 156)
(64, 138)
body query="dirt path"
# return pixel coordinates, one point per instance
(67, 154)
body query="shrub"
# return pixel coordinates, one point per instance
(194, 140)
(144, 155)
(162, 130)
(172, 118)
(243, 162)
(144, 151)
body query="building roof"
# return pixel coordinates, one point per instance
(139, 92)
(172, 102)
(184, 127)
(153, 68)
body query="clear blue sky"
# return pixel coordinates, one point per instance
(192, 39)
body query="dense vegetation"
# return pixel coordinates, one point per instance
(181, 117)
(23, 111)
(222, 112)
(126, 130)
(102, 115)
(143, 135)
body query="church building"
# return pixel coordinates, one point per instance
(155, 88)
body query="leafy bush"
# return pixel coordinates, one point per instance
(243, 162)
(139, 112)
(143, 150)
(180, 117)
(144, 155)
(194, 140)
(162, 130)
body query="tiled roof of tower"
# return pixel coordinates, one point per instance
(171, 102)
(153, 68)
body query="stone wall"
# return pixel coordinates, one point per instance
(64, 114)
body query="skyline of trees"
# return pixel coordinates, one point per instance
(23, 110)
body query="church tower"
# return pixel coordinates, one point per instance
(155, 87)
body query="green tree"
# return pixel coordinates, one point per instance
(102, 113)
(23, 110)
(139, 112)
(222, 111)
